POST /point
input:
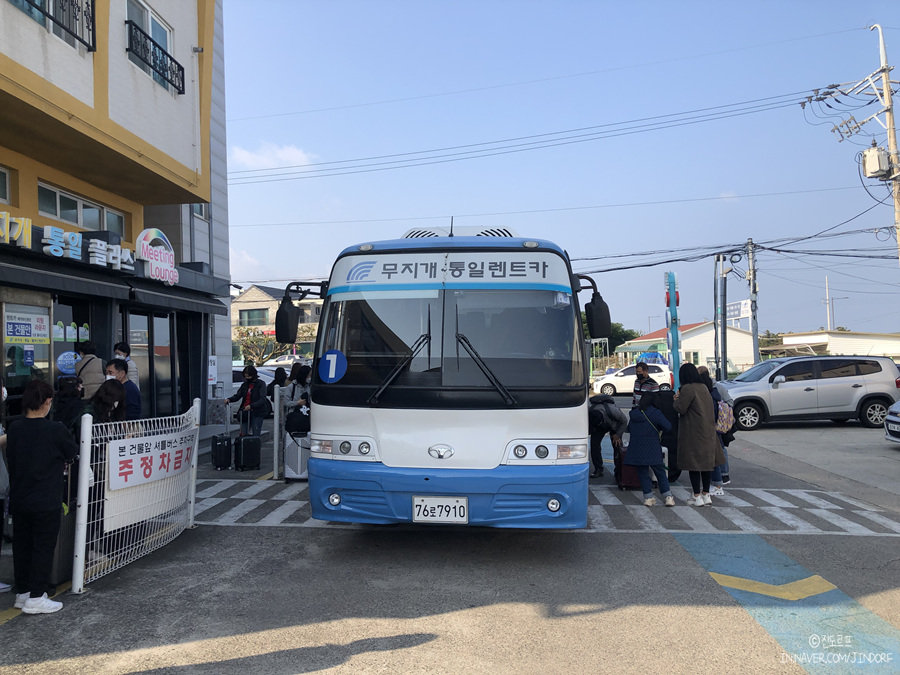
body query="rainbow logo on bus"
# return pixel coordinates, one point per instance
(153, 247)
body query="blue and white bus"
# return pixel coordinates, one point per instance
(450, 383)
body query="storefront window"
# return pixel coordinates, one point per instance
(71, 324)
(26, 344)
(162, 366)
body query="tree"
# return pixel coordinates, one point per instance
(617, 336)
(257, 347)
(769, 339)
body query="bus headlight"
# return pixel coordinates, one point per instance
(364, 448)
(334, 499)
(578, 451)
(541, 451)
(520, 451)
(323, 447)
(553, 505)
(345, 447)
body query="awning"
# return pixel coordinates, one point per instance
(175, 298)
(37, 276)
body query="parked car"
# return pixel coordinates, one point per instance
(892, 423)
(622, 381)
(287, 360)
(837, 388)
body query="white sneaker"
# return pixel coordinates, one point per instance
(20, 599)
(695, 501)
(716, 491)
(41, 605)
(4, 587)
(670, 501)
(650, 502)
(707, 501)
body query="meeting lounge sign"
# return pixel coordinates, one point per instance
(95, 249)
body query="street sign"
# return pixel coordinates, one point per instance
(737, 310)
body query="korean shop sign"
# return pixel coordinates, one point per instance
(153, 247)
(135, 461)
(22, 327)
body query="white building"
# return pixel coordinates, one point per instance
(697, 346)
(847, 343)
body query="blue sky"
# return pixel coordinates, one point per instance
(329, 81)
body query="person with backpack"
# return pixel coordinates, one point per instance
(699, 450)
(646, 425)
(724, 422)
(90, 368)
(604, 416)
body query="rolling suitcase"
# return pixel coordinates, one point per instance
(221, 447)
(247, 452)
(296, 456)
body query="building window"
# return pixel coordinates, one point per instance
(692, 357)
(4, 186)
(200, 211)
(70, 20)
(78, 211)
(254, 317)
(150, 44)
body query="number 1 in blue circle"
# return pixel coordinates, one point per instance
(332, 366)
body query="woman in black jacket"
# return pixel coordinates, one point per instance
(38, 451)
(252, 396)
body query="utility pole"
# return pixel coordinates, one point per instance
(827, 306)
(717, 312)
(891, 132)
(754, 289)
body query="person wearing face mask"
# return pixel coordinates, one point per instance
(117, 369)
(642, 383)
(298, 382)
(123, 351)
(254, 404)
(37, 450)
(90, 368)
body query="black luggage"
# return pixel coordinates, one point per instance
(247, 451)
(221, 446)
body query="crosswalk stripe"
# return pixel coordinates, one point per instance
(746, 517)
(207, 503)
(290, 491)
(807, 496)
(607, 497)
(241, 509)
(214, 489)
(646, 519)
(599, 520)
(251, 490)
(743, 521)
(850, 526)
(692, 517)
(282, 513)
(881, 520)
(769, 498)
(791, 520)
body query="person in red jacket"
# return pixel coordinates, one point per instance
(254, 403)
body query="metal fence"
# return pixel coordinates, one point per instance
(136, 486)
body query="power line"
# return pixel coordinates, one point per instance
(536, 80)
(504, 147)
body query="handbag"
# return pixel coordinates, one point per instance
(297, 421)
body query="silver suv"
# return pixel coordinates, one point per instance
(837, 388)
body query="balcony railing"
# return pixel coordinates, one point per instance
(148, 50)
(72, 17)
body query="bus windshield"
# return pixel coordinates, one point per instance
(527, 339)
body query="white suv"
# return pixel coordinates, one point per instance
(622, 381)
(837, 388)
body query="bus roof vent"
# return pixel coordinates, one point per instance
(425, 232)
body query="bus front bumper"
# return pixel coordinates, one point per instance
(506, 496)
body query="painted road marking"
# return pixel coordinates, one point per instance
(610, 510)
(795, 590)
(820, 628)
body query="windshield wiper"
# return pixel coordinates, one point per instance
(423, 340)
(488, 373)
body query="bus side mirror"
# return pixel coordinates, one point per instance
(287, 320)
(597, 314)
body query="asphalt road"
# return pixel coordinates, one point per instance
(636, 592)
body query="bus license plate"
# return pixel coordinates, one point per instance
(440, 509)
(893, 427)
